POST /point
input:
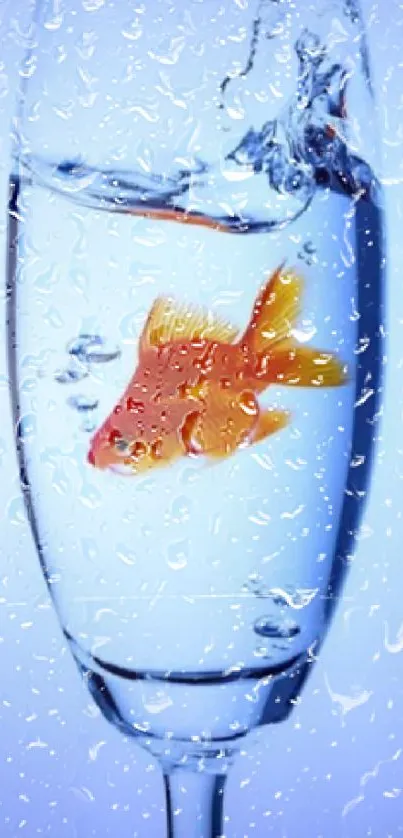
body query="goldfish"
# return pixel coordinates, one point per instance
(181, 217)
(196, 386)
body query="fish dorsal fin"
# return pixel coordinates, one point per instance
(275, 312)
(169, 321)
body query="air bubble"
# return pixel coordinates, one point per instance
(93, 349)
(266, 626)
(82, 403)
(255, 585)
(72, 373)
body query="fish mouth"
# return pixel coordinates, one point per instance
(91, 458)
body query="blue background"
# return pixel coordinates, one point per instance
(336, 767)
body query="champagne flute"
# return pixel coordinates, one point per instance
(195, 325)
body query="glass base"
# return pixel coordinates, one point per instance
(193, 724)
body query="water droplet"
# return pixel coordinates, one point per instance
(45, 282)
(53, 318)
(36, 362)
(89, 548)
(60, 481)
(262, 652)
(90, 497)
(351, 10)
(255, 585)
(266, 626)
(135, 405)
(157, 703)
(92, 5)
(28, 384)
(26, 429)
(79, 281)
(88, 425)
(125, 555)
(83, 404)
(180, 509)
(178, 554)
(15, 511)
(248, 403)
(95, 749)
(309, 48)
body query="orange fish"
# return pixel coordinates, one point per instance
(181, 216)
(196, 387)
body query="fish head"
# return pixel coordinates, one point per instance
(108, 447)
(115, 451)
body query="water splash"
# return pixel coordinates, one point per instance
(304, 147)
(84, 353)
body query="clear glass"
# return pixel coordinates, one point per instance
(195, 327)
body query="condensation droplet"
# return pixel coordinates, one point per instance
(89, 548)
(177, 554)
(248, 403)
(125, 555)
(92, 5)
(255, 585)
(180, 509)
(90, 497)
(262, 652)
(26, 429)
(15, 511)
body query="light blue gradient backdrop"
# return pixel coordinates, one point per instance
(335, 769)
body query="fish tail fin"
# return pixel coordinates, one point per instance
(269, 335)
(275, 311)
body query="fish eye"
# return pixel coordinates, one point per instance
(122, 445)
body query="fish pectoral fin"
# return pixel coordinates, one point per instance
(275, 312)
(170, 321)
(226, 421)
(302, 366)
(270, 421)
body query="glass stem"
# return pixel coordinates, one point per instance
(194, 804)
